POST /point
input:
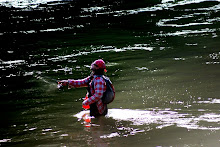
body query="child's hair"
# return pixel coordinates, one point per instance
(99, 72)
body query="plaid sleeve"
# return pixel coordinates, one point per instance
(78, 83)
(99, 88)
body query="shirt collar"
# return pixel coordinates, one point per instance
(94, 76)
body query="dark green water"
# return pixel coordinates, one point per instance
(163, 58)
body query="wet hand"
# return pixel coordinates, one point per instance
(62, 83)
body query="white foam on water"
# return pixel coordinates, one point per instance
(162, 118)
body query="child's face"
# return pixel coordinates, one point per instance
(93, 68)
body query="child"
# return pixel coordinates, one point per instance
(95, 89)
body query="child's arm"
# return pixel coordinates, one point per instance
(75, 83)
(78, 83)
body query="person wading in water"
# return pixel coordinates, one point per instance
(96, 86)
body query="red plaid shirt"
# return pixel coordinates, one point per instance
(96, 91)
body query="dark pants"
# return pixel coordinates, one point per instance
(95, 112)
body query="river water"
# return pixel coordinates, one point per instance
(163, 58)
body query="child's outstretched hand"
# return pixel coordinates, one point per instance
(62, 83)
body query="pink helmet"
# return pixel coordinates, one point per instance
(99, 63)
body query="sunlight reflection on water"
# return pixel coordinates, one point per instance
(99, 49)
(24, 3)
(160, 118)
(164, 118)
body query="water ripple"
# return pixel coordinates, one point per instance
(163, 6)
(101, 49)
(25, 3)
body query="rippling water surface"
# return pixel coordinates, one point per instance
(162, 56)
